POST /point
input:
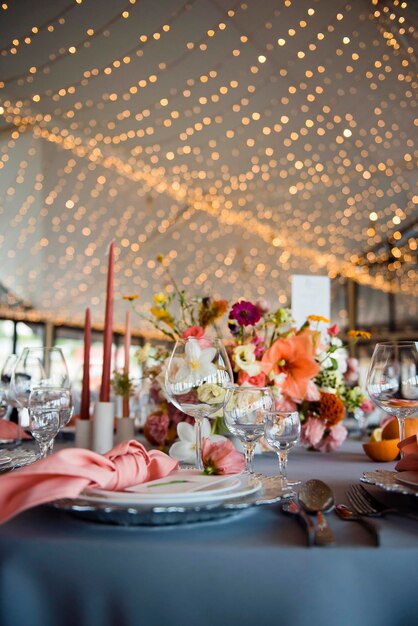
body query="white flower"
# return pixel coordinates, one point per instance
(211, 393)
(244, 357)
(197, 364)
(185, 449)
(340, 356)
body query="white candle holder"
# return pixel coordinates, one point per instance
(83, 433)
(125, 429)
(104, 415)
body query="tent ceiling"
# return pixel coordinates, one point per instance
(244, 141)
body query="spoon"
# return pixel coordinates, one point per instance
(316, 497)
(346, 514)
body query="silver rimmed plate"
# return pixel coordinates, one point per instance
(270, 492)
(18, 457)
(388, 481)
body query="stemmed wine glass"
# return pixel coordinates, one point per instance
(197, 374)
(282, 431)
(40, 385)
(245, 409)
(392, 379)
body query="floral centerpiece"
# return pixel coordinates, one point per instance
(307, 368)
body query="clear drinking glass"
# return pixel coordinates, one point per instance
(197, 374)
(48, 408)
(245, 409)
(392, 379)
(42, 374)
(282, 431)
(5, 378)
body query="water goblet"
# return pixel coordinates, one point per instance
(197, 373)
(41, 368)
(244, 413)
(392, 379)
(282, 432)
(46, 406)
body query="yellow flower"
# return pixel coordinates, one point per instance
(160, 299)
(318, 318)
(162, 315)
(359, 334)
(130, 298)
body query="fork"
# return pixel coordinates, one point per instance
(365, 504)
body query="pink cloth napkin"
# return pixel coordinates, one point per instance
(409, 448)
(10, 430)
(66, 473)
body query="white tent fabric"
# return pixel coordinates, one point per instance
(243, 141)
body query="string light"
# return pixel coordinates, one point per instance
(295, 136)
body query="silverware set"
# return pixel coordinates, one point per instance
(316, 498)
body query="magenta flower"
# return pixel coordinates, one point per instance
(259, 345)
(245, 313)
(221, 457)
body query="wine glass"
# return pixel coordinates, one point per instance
(5, 377)
(392, 379)
(282, 431)
(198, 371)
(244, 414)
(41, 370)
(46, 407)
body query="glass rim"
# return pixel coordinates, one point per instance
(249, 388)
(401, 342)
(280, 412)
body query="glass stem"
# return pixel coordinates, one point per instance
(43, 448)
(198, 426)
(401, 422)
(249, 456)
(282, 457)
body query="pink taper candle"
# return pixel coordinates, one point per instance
(108, 329)
(85, 392)
(127, 345)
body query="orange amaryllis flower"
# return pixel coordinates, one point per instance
(293, 357)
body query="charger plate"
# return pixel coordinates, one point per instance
(388, 481)
(269, 492)
(17, 457)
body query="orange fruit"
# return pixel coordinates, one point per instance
(385, 450)
(391, 430)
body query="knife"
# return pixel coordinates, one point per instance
(293, 508)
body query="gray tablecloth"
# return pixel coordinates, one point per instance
(253, 569)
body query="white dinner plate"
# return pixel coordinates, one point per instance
(193, 488)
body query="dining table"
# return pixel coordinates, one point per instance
(252, 568)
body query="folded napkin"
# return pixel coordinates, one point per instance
(10, 430)
(66, 473)
(409, 449)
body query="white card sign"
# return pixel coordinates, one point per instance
(311, 295)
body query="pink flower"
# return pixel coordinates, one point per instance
(193, 331)
(254, 381)
(312, 392)
(221, 457)
(367, 405)
(197, 332)
(263, 305)
(156, 428)
(337, 435)
(351, 373)
(333, 330)
(312, 432)
(285, 404)
(259, 345)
